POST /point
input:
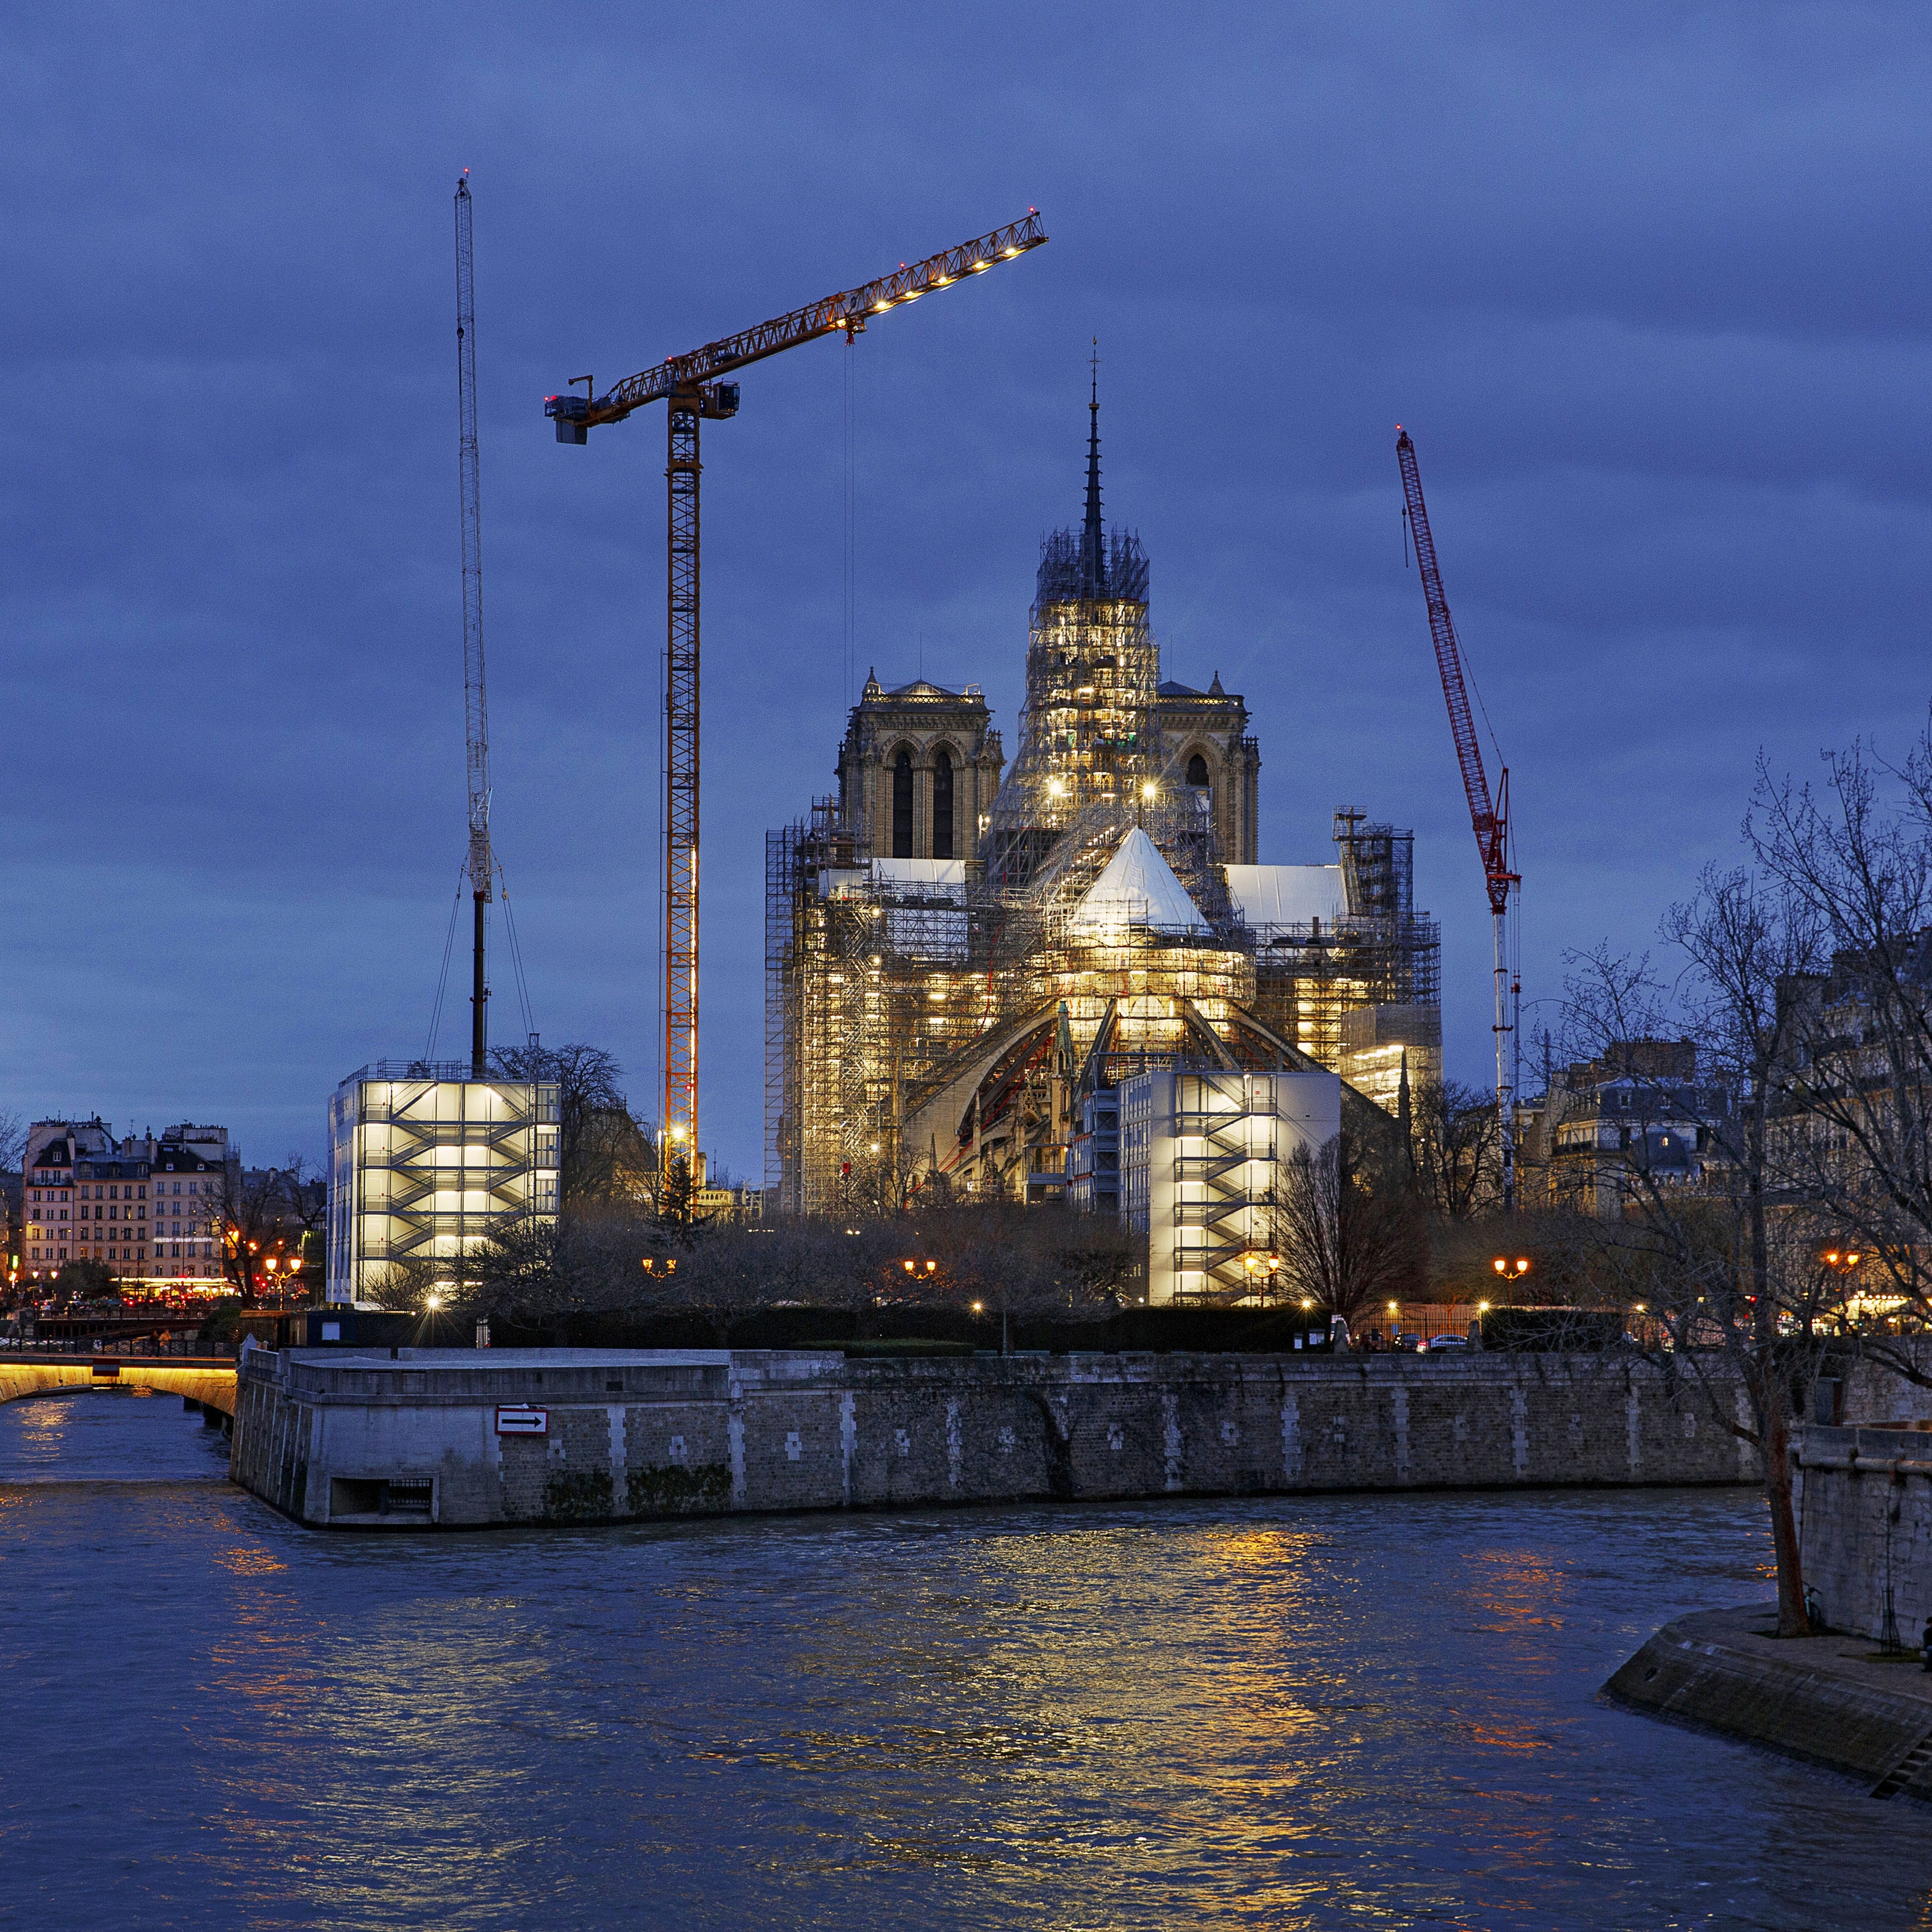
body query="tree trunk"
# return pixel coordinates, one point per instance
(1793, 1619)
(1773, 1406)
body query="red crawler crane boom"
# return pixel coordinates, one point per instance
(1490, 819)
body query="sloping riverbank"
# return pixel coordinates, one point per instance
(1837, 1699)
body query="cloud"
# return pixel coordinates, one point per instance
(1649, 287)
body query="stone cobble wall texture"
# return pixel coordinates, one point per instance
(1865, 1523)
(633, 1434)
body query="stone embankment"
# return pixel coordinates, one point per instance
(453, 1438)
(1836, 1699)
(1864, 1521)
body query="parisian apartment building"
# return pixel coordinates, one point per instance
(149, 1206)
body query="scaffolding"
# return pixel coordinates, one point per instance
(1361, 993)
(1093, 668)
(922, 1031)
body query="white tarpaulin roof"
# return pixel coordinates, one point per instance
(1287, 894)
(917, 878)
(929, 878)
(1138, 888)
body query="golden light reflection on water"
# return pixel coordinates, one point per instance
(1364, 1712)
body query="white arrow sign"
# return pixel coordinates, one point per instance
(518, 1419)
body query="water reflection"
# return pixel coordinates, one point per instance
(1362, 1712)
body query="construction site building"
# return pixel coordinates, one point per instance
(425, 1164)
(964, 963)
(1204, 1168)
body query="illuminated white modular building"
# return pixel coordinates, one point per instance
(424, 1163)
(1203, 1157)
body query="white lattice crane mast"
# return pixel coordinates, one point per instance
(1490, 819)
(688, 385)
(476, 712)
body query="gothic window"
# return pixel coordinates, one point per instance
(1197, 770)
(902, 805)
(942, 804)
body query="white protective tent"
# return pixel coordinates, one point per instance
(1138, 888)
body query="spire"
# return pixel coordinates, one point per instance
(1093, 541)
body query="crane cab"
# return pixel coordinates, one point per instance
(568, 413)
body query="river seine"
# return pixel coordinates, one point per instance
(1326, 1712)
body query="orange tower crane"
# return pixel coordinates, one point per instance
(1490, 819)
(688, 384)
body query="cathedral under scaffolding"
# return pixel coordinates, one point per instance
(961, 966)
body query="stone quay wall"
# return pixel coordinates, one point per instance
(413, 1440)
(1864, 1523)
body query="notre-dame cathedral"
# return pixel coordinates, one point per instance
(963, 959)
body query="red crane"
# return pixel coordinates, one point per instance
(687, 385)
(1490, 819)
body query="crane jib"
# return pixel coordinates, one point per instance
(849, 310)
(1486, 820)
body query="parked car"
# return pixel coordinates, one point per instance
(1441, 1344)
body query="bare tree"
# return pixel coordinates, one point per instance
(305, 1216)
(1456, 1147)
(1712, 1253)
(1349, 1233)
(248, 1209)
(1856, 1084)
(604, 1153)
(13, 1139)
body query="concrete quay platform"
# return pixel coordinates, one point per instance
(441, 1438)
(1836, 1699)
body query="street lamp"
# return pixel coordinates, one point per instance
(1511, 1270)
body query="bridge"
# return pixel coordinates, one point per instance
(204, 1382)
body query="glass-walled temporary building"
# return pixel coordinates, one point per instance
(424, 1163)
(1203, 1157)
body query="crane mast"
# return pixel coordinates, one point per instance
(475, 717)
(1489, 818)
(688, 385)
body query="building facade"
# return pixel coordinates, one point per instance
(196, 1173)
(1639, 1117)
(1203, 1156)
(952, 1016)
(424, 1164)
(918, 769)
(148, 1207)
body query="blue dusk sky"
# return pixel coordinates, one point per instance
(1648, 284)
